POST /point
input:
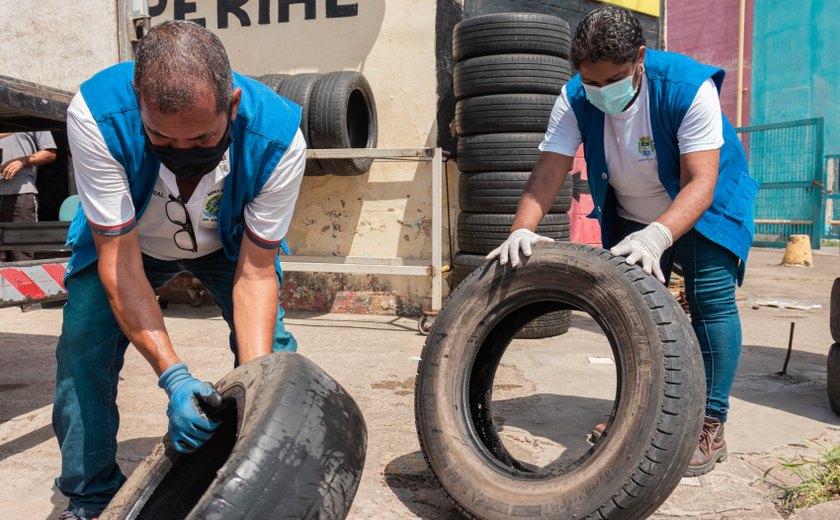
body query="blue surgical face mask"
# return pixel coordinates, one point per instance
(612, 98)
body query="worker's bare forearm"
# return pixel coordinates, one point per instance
(543, 185)
(133, 302)
(254, 315)
(699, 173)
(254, 301)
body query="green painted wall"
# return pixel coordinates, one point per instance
(796, 64)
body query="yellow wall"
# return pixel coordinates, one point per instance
(650, 7)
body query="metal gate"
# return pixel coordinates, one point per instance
(787, 161)
(832, 197)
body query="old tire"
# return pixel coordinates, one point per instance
(546, 326)
(834, 377)
(657, 414)
(510, 74)
(512, 152)
(499, 192)
(463, 264)
(343, 115)
(504, 33)
(273, 81)
(297, 88)
(834, 311)
(480, 233)
(291, 445)
(503, 113)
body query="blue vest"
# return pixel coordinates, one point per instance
(264, 127)
(673, 81)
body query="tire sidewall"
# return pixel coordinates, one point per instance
(468, 470)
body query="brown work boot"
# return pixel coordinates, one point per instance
(710, 450)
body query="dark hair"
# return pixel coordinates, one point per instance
(608, 33)
(179, 61)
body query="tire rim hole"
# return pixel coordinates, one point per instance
(179, 492)
(358, 120)
(534, 402)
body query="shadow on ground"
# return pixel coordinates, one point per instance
(25, 360)
(801, 391)
(130, 454)
(412, 481)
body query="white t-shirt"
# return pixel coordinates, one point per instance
(630, 151)
(105, 197)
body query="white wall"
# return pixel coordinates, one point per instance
(58, 43)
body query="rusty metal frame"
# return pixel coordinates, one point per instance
(431, 267)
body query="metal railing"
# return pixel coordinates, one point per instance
(787, 161)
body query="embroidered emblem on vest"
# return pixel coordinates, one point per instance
(646, 147)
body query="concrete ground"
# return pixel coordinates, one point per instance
(375, 359)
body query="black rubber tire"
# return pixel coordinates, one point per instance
(516, 152)
(660, 397)
(343, 115)
(504, 33)
(510, 74)
(480, 233)
(579, 186)
(833, 367)
(834, 311)
(293, 446)
(546, 326)
(463, 264)
(499, 192)
(503, 113)
(273, 81)
(298, 89)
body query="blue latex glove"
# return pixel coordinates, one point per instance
(189, 426)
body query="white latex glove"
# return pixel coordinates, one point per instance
(520, 239)
(646, 245)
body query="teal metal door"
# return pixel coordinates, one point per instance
(787, 161)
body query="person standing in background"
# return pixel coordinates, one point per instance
(22, 153)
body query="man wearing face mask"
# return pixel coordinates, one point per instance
(669, 179)
(181, 166)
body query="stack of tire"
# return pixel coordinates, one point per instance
(834, 352)
(337, 111)
(509, 70)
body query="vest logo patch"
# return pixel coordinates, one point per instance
(210, 213)
(646, 148)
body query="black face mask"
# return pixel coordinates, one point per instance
(192, 163)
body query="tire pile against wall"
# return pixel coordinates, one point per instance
(337, 111)
(510, 68)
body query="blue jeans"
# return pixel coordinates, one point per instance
(711, 273)
(89, 358)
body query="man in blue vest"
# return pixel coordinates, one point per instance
(181, 165)
(669, 179)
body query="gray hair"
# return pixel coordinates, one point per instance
(179, 61)
(607, 34)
